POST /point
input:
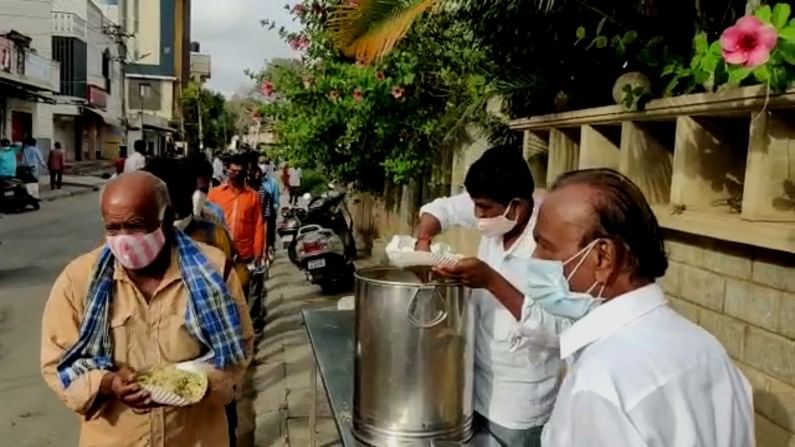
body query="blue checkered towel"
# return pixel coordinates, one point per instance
(211, 316)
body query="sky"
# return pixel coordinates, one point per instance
(230, 32)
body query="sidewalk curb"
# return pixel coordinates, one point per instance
(84, 190)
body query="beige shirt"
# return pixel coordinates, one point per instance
(145, 334)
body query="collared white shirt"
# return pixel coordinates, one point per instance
(294, 176)
(515, 382)
(642, 375)
(134, 162)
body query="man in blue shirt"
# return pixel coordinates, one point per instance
(32, 157)
(8, 159)
(270, 197)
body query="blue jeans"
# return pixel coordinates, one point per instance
(489, 434)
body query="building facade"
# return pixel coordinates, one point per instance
(158, 70)
(88, 119)
(28, 75)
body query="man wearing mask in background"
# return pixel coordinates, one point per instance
(148, 298)
(180, 178)
(516, 380)
(639, 374)
(243, 211)
(31, 157)
(8, 160)
(270, 197)
(56, 166)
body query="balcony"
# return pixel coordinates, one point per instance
(68, 24)
(23, 66)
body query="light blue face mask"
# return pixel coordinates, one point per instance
(550, 288)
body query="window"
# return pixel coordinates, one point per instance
(107, 69)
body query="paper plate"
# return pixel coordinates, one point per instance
(404, 259)
(169, 398)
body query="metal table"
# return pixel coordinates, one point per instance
(330, 334)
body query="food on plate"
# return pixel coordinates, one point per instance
(185, 384)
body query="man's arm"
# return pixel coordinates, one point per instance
(60, 330)
(259, 231)
(222, 382)
(442, 214)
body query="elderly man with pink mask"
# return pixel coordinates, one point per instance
(516, 378)
(149, 297)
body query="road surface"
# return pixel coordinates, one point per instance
(35, 248)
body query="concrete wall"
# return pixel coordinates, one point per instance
(746, 298)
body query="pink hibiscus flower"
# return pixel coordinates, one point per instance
(333, 95)
(398, 92)
(379, 75)
(299, 10)
(749, 42)
(267, 88)
(358, 95)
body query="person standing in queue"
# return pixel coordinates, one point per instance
(515, 380)
(149, 297)
(243, 213)
(180, 178)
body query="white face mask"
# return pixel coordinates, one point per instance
(497, 226)
(199, 201)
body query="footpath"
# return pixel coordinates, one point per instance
(274, 410)
(72, 185)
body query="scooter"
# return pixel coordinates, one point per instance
(15, 195)
(330, 211)
(287, 229)
(321, 255)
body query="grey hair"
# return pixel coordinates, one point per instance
(163, 200)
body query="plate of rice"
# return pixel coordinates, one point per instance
(177, 385)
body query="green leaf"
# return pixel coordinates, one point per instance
(738, 75)
(601, 26)
(700, 43)
(781, 14)
(787, 33)
(668, 70)
(787, 51)
(615, 41)
(764, 13)
(762, 73)
(601, 42)
(629, 37)
(715, 49)
(654, 41)
(581, 33)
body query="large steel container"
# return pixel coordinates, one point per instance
(414, 358)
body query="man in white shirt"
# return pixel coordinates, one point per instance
(218, 169)
(515, 382)
(137, 160)
(294, 182)
(639, 374)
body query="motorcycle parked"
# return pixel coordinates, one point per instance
(16, 194)
(292, 218)
(325, 247)
(321, 255)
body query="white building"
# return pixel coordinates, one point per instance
(28, 75)
(88, 117)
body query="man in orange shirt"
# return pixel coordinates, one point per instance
(242, 210)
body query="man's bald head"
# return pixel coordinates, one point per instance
(134, 203)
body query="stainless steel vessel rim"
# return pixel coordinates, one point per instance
(384, 282)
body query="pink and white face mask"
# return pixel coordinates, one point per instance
(137, 251)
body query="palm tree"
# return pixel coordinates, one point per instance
(369, 29)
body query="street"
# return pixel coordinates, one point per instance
(35, 247)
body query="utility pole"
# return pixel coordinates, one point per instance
(117, 32)
(201, 132)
